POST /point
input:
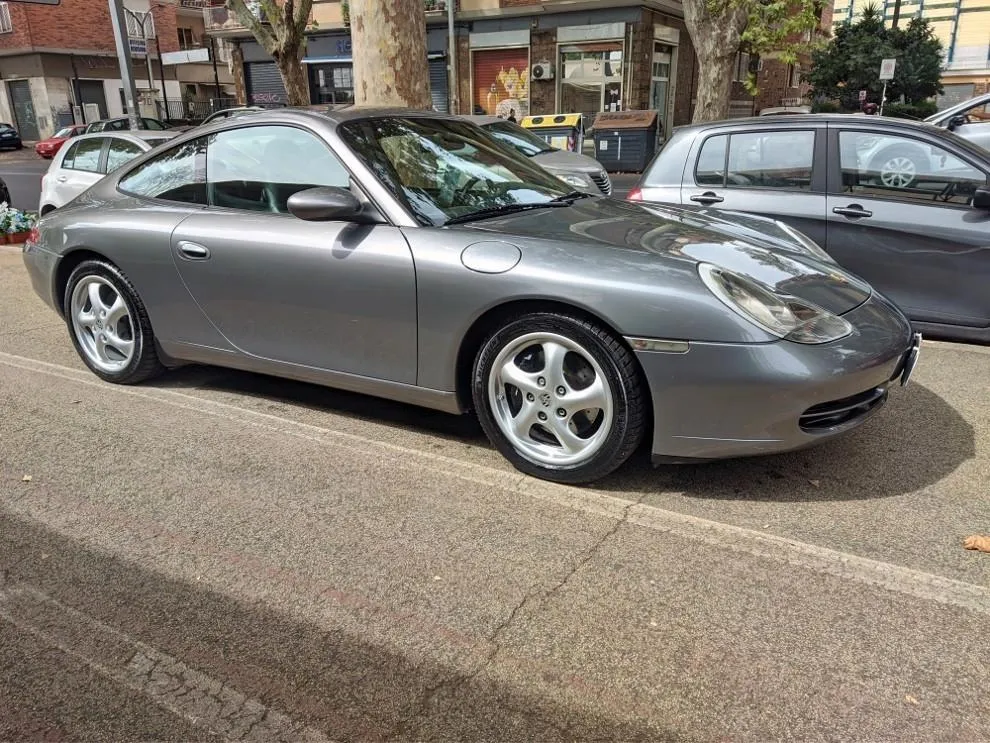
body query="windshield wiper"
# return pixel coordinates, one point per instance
(497, 211)
(570, 198)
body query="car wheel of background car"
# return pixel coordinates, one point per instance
(109, 324)
(898, 169)
(560, 397)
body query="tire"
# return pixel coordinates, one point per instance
(123, 331)
(532, 370)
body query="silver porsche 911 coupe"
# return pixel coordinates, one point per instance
(412, 256)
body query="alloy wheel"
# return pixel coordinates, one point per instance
(551, 399)
(898, 172)
(102, 323)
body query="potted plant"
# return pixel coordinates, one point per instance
(15, 224)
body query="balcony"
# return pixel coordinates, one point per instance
(219, 20)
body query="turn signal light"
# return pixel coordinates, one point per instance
(635, 195)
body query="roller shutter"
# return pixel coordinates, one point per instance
(264, 84)
(500, 81)
(438, 84)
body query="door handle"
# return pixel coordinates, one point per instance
(708, 197)
(62, 178)
(853, 211)
(193, 251)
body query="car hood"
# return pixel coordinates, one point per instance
(680, 235)
(564, 160)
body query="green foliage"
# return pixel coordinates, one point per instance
(917, 111)
(825, 107)
(851, 62)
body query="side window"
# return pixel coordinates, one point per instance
(776, 159)
(897, 167)
(258, 168)
(710, 170)
(153, 125)
(178, 174)
(84, 155)
(120, 152)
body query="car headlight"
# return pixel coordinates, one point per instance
(806, 242)
(575, 179)
(786, 317)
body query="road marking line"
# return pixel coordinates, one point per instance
(824, 560)
(201, 700)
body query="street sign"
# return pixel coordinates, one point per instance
(139, 47)
(190, 55)
(887, 69)
(862, 96)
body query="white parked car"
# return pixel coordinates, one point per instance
(969, 119)
(89, 157)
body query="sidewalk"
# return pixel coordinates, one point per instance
(17, 156)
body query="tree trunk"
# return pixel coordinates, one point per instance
(294, 78)
(714, 84)
(716, 32)
(388, 39)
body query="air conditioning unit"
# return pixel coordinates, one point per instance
(542, 71)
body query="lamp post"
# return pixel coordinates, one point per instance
(140, 21)
(119, 23)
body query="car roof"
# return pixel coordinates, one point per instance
(142, 134)
(792, 121)
(482, 119)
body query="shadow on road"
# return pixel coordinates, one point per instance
(280, 395)
(332, 680)
(913, 442)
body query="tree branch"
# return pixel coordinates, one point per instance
(301, 18)
(250, 22)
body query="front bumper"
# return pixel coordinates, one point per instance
(722, 400)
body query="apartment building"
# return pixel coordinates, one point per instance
(963, 26)
(58, 63)
(530, 56)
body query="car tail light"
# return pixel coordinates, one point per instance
(34, 236)
(635, 195)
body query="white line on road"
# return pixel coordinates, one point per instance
(168, 682)
(812, 557)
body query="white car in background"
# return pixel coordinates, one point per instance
(87, 158)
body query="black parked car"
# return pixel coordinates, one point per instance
(904, 204)
(4, 192)
(10, 138)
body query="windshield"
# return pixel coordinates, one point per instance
(66, 132)
(442, 169)
(513, 134)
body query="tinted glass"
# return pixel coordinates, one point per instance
(120, 152)
(258, 168)
(154, 124)
(84, 155)
(892, 166)
(178, 174)
(64, 132)
(780, 159)
(441, 169)
(710, 169)
(514, 135)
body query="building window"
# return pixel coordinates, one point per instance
(186, 39)
(794, 75)
(591, 78)
(6, 26)
(740, 71)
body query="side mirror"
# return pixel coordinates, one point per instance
(981, 198)
(324, 204)
(956, 121)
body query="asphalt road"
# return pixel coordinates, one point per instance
(22, 173)
(224, 555)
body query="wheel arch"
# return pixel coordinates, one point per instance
(66, 266)
(485, 324)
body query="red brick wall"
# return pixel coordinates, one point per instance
(543, 93)
(165, 27)
(77, 24)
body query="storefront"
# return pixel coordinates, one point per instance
(592, 74)
(500, 73)
(329, 70)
